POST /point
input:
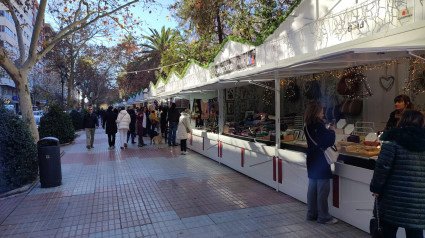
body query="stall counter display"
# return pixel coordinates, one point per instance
(364, 149)
(259, 126)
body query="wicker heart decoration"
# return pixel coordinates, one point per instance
(386, 82)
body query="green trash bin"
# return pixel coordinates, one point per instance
(49, 162)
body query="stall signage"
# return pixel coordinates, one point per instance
(355, 25)
(236, 63)
(160, 89)
(172, 85)
(404, 14)
(190, 80)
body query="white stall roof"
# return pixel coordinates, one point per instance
(338, 60)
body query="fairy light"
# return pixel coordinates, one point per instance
(268, 96)
(152, 69)
(415, 83)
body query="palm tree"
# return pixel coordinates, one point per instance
(158, 43)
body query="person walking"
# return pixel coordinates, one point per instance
(141, 125)
(102, 114)
(147, 131)
(399, 177)
(91, 123)
(184, 130)
(163, 121)
(132, 126)
(154, 121)
(173, 120)
(318, 170)
(123, 121)
(109, 121)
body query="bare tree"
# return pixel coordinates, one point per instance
(78, 14)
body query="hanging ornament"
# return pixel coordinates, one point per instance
(292, 92)
(416, 81)
(386, 81)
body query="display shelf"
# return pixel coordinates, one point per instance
(345, 158)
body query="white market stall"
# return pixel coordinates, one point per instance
(318, 38)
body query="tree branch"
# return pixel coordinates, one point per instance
(81, 24)
(18, 29)
(36, 32)
(7, 64)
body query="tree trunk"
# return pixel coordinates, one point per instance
(219, 28)
(70, 99)
(26, 105)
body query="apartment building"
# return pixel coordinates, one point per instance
(9, 41)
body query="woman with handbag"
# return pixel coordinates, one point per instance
(183, 130)
(399, 177)
(318, 169)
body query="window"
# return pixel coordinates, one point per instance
(3, 73)
(6, 14)
(7, 30)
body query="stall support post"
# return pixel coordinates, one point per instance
(220, 110)
(220, 116)
(277, 121)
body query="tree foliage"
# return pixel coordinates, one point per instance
(18, 157)
(77, 119)
(75, 15)
(57, 123)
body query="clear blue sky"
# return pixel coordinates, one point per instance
(160, 16)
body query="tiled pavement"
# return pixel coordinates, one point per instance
(155, 192)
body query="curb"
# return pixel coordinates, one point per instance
(20, 190)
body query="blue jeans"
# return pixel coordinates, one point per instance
(317, 200)
(132, 134)
(172, 128)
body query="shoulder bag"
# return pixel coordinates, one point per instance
(375, 228)
(186, 127)
(331, 153)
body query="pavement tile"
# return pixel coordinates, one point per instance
(155, 192)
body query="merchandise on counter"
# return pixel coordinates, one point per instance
(349, 129)
(372, 139)
(258, 126)
(341, 123)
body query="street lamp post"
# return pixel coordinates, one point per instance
(78, 99)
(63, 75)
(62, 81)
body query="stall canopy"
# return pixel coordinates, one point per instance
(334, 61)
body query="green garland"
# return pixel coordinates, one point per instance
(269, 32)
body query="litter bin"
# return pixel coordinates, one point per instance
(49, 162)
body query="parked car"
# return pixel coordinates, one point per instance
(37, 116)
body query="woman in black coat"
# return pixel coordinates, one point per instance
(318, 170)
(111, 126)
(399, 177)
(132, 128)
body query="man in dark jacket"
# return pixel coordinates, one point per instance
(91, 123)
(111, 126)
(132, 131)
(173, 121)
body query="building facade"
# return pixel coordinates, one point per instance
(9, 41)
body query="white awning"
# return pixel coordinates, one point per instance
(334, 61)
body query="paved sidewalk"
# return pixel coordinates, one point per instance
(151, 192)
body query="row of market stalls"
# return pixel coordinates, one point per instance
(352, 56)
